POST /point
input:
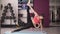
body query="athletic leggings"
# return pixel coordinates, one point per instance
(29, 23)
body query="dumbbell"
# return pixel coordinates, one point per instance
(4, 14)
(11, 11)
(7, 17)
(5, 11)
(13, 14)
(6, 7)
(10, 7)
(2, 21)
(14, 17)
(20, 15)
(11, 17)
(3, 17)
(14, 20)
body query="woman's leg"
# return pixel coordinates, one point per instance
(22, 28)
(28, 24)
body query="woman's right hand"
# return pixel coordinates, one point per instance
(28, 3)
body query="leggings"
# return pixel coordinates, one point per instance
(22, 28)
(29, 23)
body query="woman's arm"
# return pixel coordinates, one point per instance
(35, 14)
(33, 23)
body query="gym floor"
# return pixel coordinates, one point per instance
(49, 30)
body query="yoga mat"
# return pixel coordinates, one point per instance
(26, 32)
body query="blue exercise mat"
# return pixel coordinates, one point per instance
(27, 32)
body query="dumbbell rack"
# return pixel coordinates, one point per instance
(22, 11)
(4, 16)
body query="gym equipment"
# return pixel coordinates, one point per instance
(22, 5)
(20, 15)
(6, 7)
(4, 15)
(14, 20)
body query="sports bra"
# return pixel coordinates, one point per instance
(36, 20)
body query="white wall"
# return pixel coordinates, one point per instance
(14, 4)
(0, 4)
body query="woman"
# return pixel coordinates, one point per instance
(36, 19)
(31, 21)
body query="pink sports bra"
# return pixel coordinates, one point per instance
(36, 20)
